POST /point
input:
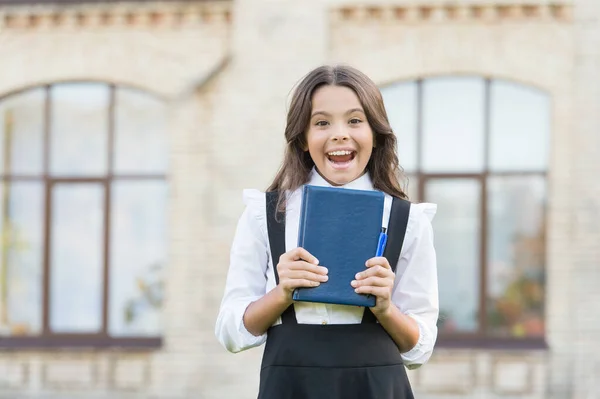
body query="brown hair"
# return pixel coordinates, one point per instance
(383, 166)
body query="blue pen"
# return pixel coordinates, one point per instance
(382, 242)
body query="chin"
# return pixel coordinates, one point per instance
(338, 178)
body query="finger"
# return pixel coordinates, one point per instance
(304, 275)
(378, 261)
(379, 292)
(293, 284)
(301, 265)
(373, 281)
(302, 254)
(377, 270)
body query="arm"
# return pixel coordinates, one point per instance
(407, 304)
(246, 282)
(246, 311)
(402, 328)
(416, 291)
(261, 314)
(378, 280)
(296, 268)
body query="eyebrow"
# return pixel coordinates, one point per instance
(328, 114)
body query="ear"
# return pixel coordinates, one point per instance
(304, 145)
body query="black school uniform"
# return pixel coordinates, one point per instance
(342, 361)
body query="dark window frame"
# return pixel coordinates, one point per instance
(48, 339)
(478, 339)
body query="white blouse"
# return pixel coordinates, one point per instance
(251, 274)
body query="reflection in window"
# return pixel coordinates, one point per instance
(457, 243)
(139, 253)
(519, 128)
(403, 120)
(491, 200)
(516, 256)
(21, 133)
(21, 254)
(140, 139)
(453, 123)
(79, 129)
(76, 258)
(82, 197)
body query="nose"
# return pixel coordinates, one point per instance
(340, 134)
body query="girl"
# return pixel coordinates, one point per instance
(337, 134)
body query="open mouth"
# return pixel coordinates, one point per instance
(341, 158)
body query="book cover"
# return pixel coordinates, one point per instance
(340, 227)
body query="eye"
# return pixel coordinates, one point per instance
(355, 121)
(321, 123)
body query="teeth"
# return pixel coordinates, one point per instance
(339, 153)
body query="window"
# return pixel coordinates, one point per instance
(479, 149)
(82, 216)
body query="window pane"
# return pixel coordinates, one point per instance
(77, 254)
(401, 106)
(22, 133)
(516, 256)
(21, 250)
(138, 256)
(453, 124)
(457, 236)
(140, 133)
(519, 128)
(79, 129)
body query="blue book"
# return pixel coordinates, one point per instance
(340, 227)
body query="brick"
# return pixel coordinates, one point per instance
(454, 375)
(13, 373)
(70, 373)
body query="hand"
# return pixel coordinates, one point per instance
(377, 280)
(298, 268)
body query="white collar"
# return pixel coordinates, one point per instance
(362, 183)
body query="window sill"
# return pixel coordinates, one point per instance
(492, 343)
(96, 342)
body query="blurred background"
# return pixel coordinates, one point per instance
(128, 131)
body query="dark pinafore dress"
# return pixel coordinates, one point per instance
(339, 361)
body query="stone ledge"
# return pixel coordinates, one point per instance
(433, 13)
(108, 15)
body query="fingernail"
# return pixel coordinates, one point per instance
(316, 261)
(325, 270)
(315, 283)
(356, 290)
(357, 276)
(325, 278)
(353, 283)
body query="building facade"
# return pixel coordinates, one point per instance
(129, 130)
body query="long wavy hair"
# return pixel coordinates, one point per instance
(383, 166)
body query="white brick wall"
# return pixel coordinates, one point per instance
(227, 84)
(586, 203)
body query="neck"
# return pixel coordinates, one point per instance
(339, 184)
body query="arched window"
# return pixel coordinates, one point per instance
(479, 149)
(82, 216)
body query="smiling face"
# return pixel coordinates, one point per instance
(339, 138)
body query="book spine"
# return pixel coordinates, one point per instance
(301, 229)
(302, 225)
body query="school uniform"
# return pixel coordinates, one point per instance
(330, 351)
